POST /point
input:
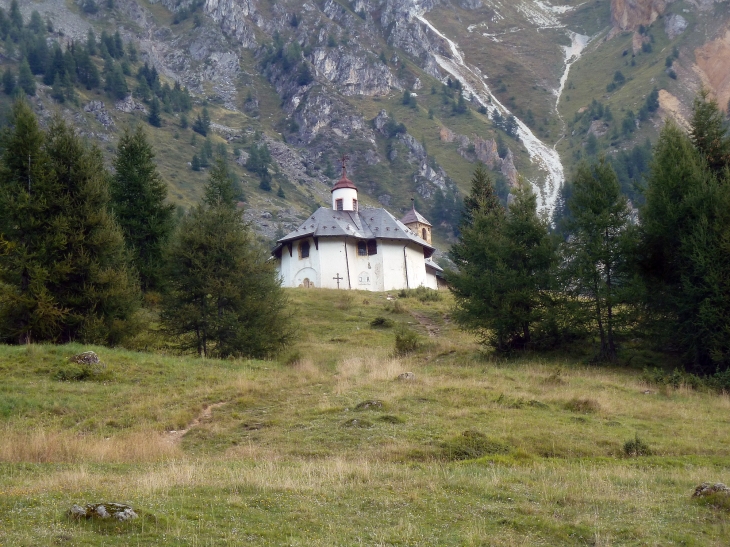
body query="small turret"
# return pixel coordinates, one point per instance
(417, 223)
(344, 193)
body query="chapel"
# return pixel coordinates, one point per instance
(349, 247)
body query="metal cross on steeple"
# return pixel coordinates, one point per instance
(343, 160)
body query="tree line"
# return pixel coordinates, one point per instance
(81, 249)
(609, 272)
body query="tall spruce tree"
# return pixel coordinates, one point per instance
(598, 250)
(63, 268)
(483, 196)
(685, 252)
(138, 196)
(225, 298)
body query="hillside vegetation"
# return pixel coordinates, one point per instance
(328, 447)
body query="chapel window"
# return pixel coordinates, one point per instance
(338, 204)
(362, 249)
(304, 249)
(354, 205)
(372, 247)
(424, 234)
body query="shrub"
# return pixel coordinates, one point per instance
(423, 294)
(79, 372)
(470, 445)
(396, 307)
(292, 357)
(636, 447)
(381, 323)
(406, 341)
(584, 406)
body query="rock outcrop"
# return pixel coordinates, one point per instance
(674, 25)
(235, 17)
(631, 14)
(508, 168)
(713, 65)
(353, 74)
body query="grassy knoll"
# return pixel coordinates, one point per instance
(474, 451)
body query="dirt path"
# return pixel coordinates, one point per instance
(206, 414)
(431, 327)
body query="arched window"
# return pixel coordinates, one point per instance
(362, 248)
(424, 234)
(304, 249)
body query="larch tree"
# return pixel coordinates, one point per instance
(224, 297)
(597, 252)
(64, 269)
(139, 202)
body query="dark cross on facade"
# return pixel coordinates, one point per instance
(343, 160)
(338, 279)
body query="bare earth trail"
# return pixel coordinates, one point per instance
(205, 415)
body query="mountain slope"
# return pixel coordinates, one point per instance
(412, 91)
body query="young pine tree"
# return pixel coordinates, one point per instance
(225, 298)
(598, 250)
(138, 200)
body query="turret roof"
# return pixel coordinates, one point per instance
(414, 216)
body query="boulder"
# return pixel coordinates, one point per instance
(370, 405)
(407, 376)
(86, 358)
(103, 511)
(707, 489)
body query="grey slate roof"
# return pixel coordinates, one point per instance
(414, 216)
(363, 224)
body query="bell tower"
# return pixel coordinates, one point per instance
(417, 223)
(344, 193)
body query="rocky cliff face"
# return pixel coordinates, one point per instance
(713, 65)
(631, 14)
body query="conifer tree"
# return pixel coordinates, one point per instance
(598, 249)
(91, 42)
(138, 196)
(64, 270)
(483, 196)
(225, 298)
(685, 254)
(709, 132)
(505, 262)
(26, 81)
(154, 116)
(8, 81)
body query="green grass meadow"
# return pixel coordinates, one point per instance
(326, 446)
